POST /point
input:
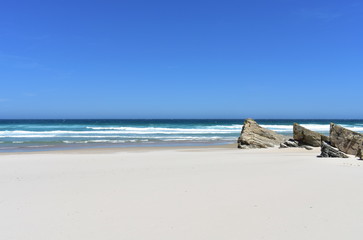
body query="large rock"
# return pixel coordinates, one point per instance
(345, 140)
(307, 137)
(255, 136)
(328, 151)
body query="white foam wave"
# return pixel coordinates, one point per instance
(154, 131)
(103, 141)
(313, 127)
(236, 126)
(289, 128)
(355, 128)
(39, 146)
(231, 129)
(70, 142)
(29, 136)
(317, 127)
(277, 126)
(175, 139)
(193, 139)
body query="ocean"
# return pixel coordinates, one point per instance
(36, 135)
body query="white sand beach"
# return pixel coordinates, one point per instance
(180, 193)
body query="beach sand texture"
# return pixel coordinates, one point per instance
(180, 193)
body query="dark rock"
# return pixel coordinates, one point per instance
(360, 154)
(255, 136)
(328, 151)
(308, 137)
(345, 140)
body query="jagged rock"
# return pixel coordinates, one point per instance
(329, 151)
(308, 137)
(360, 154)
(255, 136)
(345, 140)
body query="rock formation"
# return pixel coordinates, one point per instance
(329, 151)
(345, 140)
(255, 136)
(308, 137)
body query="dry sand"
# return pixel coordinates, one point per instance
(180, 193)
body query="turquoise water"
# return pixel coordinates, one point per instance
(31, 135)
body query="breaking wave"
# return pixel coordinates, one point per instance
(314, 127)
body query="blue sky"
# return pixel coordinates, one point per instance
(181, 59)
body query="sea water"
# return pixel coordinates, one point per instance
(32, 135)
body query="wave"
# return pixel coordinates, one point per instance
(356, 129)
(120, 134)
(170, 131)
(157, 129)
(313, 127)
(105, 141)
(156, 139)
(236, 126)
(39, 146)
(289, 128)
(30, 136)
(206, 128)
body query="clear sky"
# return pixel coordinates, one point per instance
(181, 59)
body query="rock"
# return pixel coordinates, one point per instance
(345, 140)
(291, 143)
(283, 145)
(308, 147)
(360, 154)
(308, 137)
(328, 151)
(255, 136)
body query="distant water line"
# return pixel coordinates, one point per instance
(32, 135)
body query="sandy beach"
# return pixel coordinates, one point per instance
(180, 193)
